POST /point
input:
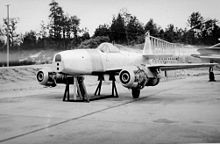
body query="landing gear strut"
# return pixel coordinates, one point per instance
(135, 92)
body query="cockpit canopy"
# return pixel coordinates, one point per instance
(108, 48)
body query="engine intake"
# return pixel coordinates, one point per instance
(138, 77)
(133, 77)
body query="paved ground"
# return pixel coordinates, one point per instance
(176, 111)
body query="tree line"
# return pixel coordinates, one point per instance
(63, 31)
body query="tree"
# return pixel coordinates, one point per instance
(85, 35)
(152, 28)
(202, 32)
(210, 32)
(29, 40)
(56, 20)
(189, 37)
(2, 43)
(64, 29)
(173, 34)
(179, 35)
(94, 42)
(74, 26)
(134, 30)
(117, 28)
(1, 32)
(102, 30)
(43, 30)
(43, 35)
(169, 33)
(13, 36)
(216, 33)
(195, 20)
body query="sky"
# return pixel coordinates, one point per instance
(92, 13)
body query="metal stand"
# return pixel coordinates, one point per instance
(99, 87)
(114, 88)
(80, 93)
(66, 96)
(211, 75)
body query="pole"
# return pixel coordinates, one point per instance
(7, 35)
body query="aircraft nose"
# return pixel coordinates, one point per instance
(73, 62)
(58, 63)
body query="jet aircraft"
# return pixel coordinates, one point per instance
(135, 70)
(210, 54)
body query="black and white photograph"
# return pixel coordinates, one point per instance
(109, 71)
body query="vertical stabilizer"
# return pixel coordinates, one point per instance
(147, 45)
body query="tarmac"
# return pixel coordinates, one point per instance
(175, 111)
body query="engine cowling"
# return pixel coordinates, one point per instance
(133, 77)
(49, 78)
(138, 77)
(45, 77)
(153, 81)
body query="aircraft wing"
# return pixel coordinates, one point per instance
(214, 57)
(164, 67)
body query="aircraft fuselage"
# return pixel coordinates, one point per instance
(88, 61)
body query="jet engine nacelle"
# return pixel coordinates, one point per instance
(49, 78)
(133, 77)
(138, 77)
(153, 81)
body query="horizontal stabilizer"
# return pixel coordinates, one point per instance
(211, 57)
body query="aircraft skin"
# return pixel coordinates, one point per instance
(102, 59)
(135, 70)
(90, 61)
(211, 54)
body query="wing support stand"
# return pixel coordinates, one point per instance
(99, 88)
(79, 89)
(79, 93)
(211, 75)
(114, 88)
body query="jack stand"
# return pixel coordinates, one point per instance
(80, 93)
(66, 96)
(114, 88)
(99, 87)
(211, 75)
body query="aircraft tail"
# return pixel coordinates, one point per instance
(148, 48)
(147, 45)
